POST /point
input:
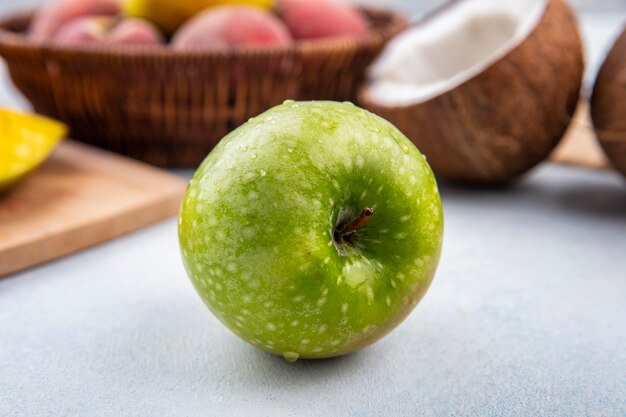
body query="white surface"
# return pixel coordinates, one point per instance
(525, 317)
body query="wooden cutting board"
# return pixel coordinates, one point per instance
(80, 197)
(579, 145)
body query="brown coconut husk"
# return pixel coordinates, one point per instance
(608, 104)
(502, 122)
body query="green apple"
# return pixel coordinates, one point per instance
(312, 230)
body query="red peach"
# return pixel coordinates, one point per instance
(57, 13)
(231, 26)
(88, 29)
(136, 32)
(309, 19)
(109, 30)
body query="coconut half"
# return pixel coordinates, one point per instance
(485, 88)
(608, 104)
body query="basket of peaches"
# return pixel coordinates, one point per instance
(164, 80)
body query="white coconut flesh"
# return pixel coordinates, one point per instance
(449, 48)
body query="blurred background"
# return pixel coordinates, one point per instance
(600, 22)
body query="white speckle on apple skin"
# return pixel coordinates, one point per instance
(400, 236)
(246, 218)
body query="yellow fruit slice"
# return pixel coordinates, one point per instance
(26, 140)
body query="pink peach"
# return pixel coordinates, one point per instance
(58, 13)
(136, 32)
(109, 30)
(231, 26)
(310, 19)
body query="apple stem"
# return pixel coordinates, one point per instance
(357, 223)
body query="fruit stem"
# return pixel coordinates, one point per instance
(357, 223)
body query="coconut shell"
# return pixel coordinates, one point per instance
(608, 104)
(502, 122)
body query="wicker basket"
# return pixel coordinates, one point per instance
(170, 108)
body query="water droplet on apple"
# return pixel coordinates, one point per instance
(291, 356)
(263, 172)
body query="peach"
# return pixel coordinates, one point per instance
(109, 30)
(231, 26)
(132, 31)
(58, 13)
(310, 19)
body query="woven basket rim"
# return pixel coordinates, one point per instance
(373, 38)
